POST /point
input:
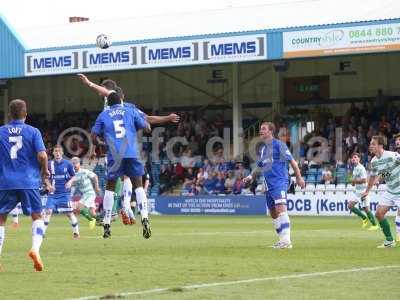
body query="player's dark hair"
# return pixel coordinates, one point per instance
(17, 109)
(270, 125)
(396, 136)
(356, 154)
(113, 99)
(109, 84)
(120, 92)
(380, 139)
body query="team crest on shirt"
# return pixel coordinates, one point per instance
(385, 175)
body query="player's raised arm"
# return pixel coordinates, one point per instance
(171, 118)
(102, 91)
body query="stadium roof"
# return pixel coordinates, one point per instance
(276, 15)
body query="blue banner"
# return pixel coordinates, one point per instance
(301, 204)
(211, 205)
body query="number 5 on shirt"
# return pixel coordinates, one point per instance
(119, 129)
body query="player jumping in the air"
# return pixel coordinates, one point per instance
(127, 214)
(360, 183)
(118, 125)
(273, 163)
(88, 185)
(23, 161)
(385, 164)
(59, 198)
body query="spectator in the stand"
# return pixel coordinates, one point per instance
(238, 186)
(384, 125)
(364, 121)
(186, 187)
(193, 190)
(210, 183)
(223, 166)
(283, 133)
(179, 171)
(304, 168)
(302, 151)
(212, 130)
(230, 182)
(241, 171)
(220, 184)
(187, 159)
(207, 166)
(76, 147)
(331, 128)
(200, 125)
(353, 122)
(188, 134)
(327, 177)
(186, 122)
(49, 150)
(190, 174)
(203, 139)
(193, 145)
(361, 136)
(353, 110)
(371, 132)
(201, 176)
(396, 124)
(351, 141)
(364, 112)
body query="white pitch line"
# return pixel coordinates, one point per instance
(224, 283)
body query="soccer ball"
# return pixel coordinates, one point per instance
(103, 41)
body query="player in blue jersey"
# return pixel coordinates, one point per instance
(23, 162)
(118, 125)
(273, 163)
(128, 217)
(59, 198)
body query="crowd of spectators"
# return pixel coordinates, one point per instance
(354, 130)
(196, 174)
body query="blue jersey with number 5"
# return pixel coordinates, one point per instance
(19, 167)
(118, 125)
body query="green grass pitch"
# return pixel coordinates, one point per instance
(195, 250)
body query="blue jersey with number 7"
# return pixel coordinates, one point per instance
(19, 146)
(118, 126)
